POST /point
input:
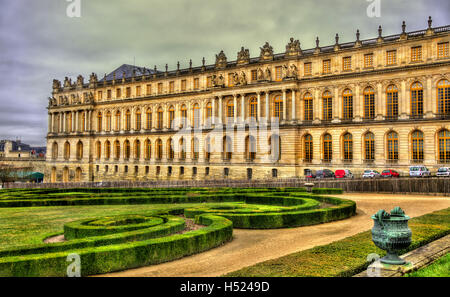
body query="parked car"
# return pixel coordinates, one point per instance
(370, 174)
(390, 173)
(419, 171)
(325, 173)
(443, 171)
(310, 174)
(343, 173)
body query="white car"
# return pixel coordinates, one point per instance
(371, 174)
(419, 171)
(443, 171)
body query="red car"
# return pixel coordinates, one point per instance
(390, 173)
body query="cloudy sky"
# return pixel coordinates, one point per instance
(39, 42)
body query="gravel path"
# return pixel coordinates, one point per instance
(252, 246)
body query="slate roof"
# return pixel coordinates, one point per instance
(129, 72)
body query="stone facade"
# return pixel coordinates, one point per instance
(378, 103)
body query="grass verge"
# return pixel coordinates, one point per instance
(439, 268)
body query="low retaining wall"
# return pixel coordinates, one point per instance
(437, 186)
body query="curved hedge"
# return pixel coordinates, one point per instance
(113, 243)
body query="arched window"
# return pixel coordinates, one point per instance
(108, 121)
(148, 149)
(444, 146)
(227, 148)
(308, 148)
(159, 149)
(392, 146)
(138, 120)
(99, 122)
(128, 120)
(250, 148)
(182, 149)
(117, 150)
(443, 94)
(98, 150)
(348, 147)
(149, 120)
(416, 100)
(196, 115)
(392, 102)
(54, 151)
(369, 103)
(308, 107)
(209, 114)
(107, 150)
(327, 106)
(170, 149)
(160, 118)
(78, 173)
(278, 107)
(126, 150)
(230, 111)
(67, 150)
(117, 127)
(327, 147)
(417, 145)
(275, 147)
(347, 108)
(369, 147)
(53, 175)
(171, 117)
(65, 175)
(79, 150)
(253, 108)
(184, 116)
(195, 148)
(137, 149)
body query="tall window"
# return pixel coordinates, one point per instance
(183, 85)
(227, 148)
(417, 145)
(308, 68)
(118, 93)
(444, 146)
(171, 86)
(347, 98)
(184, 115)
(327, 107)
(327, 148)
(171, 117)
(147, 149)
(66, 151)
(347, 63)
(159, 149)
(170, 150)
(108, 121)
(209, 112)
(368, 60)
(278, 73)
(209, 82)
(149, 119)
(416, 54)
(99, 122)
(160, 88)
(83, 121)
(79, 150)
(196, 115)
(160, 118)
(69, 122)
(392, 102)
(98, 150)
(182, 149)
(392, 146)
(443, 91)
(196, 83)
(128, 92)
(108, 94)
(230, 111)
(128, 120)
(275, 147)
(148, 90)
(326, 66)
(442, 50)
(117, 128)
(117, 150)
(137, 149)
(195, 147)
(138, 91)
(369, 147)
(391, 57)
(138, 120)
(369, 103)
(308, 106)
(348, 147)
(107, 150)
(250, 148)
(416, 100)
(208, 149)
(230, 79)
(126, 150)
(278, 107)
(253, 108)
(54, 151)
(308, 145)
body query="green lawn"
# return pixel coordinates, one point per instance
(346, 257)
(439, 268)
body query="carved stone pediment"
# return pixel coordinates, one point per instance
(243, 56)
(221, 60)
(266, 52)
(293, 48)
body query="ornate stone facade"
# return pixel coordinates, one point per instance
(378, 103)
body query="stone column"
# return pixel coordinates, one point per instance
(213, 103)
(284, 118)
(90, 121)
(356, 105)
(73, 122)
(220, 110)
(402, 101)
(234, 108)
(50, 122)
(267, 107)
(293, 112)
(76, 121)
(379, 102)
(317, 106)
(64, 122)
(337, 106)
(243, 108)
(258, 110)
(428, 99)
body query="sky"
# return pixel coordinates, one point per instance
(39, 42)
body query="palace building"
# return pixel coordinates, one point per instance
(368, 104)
